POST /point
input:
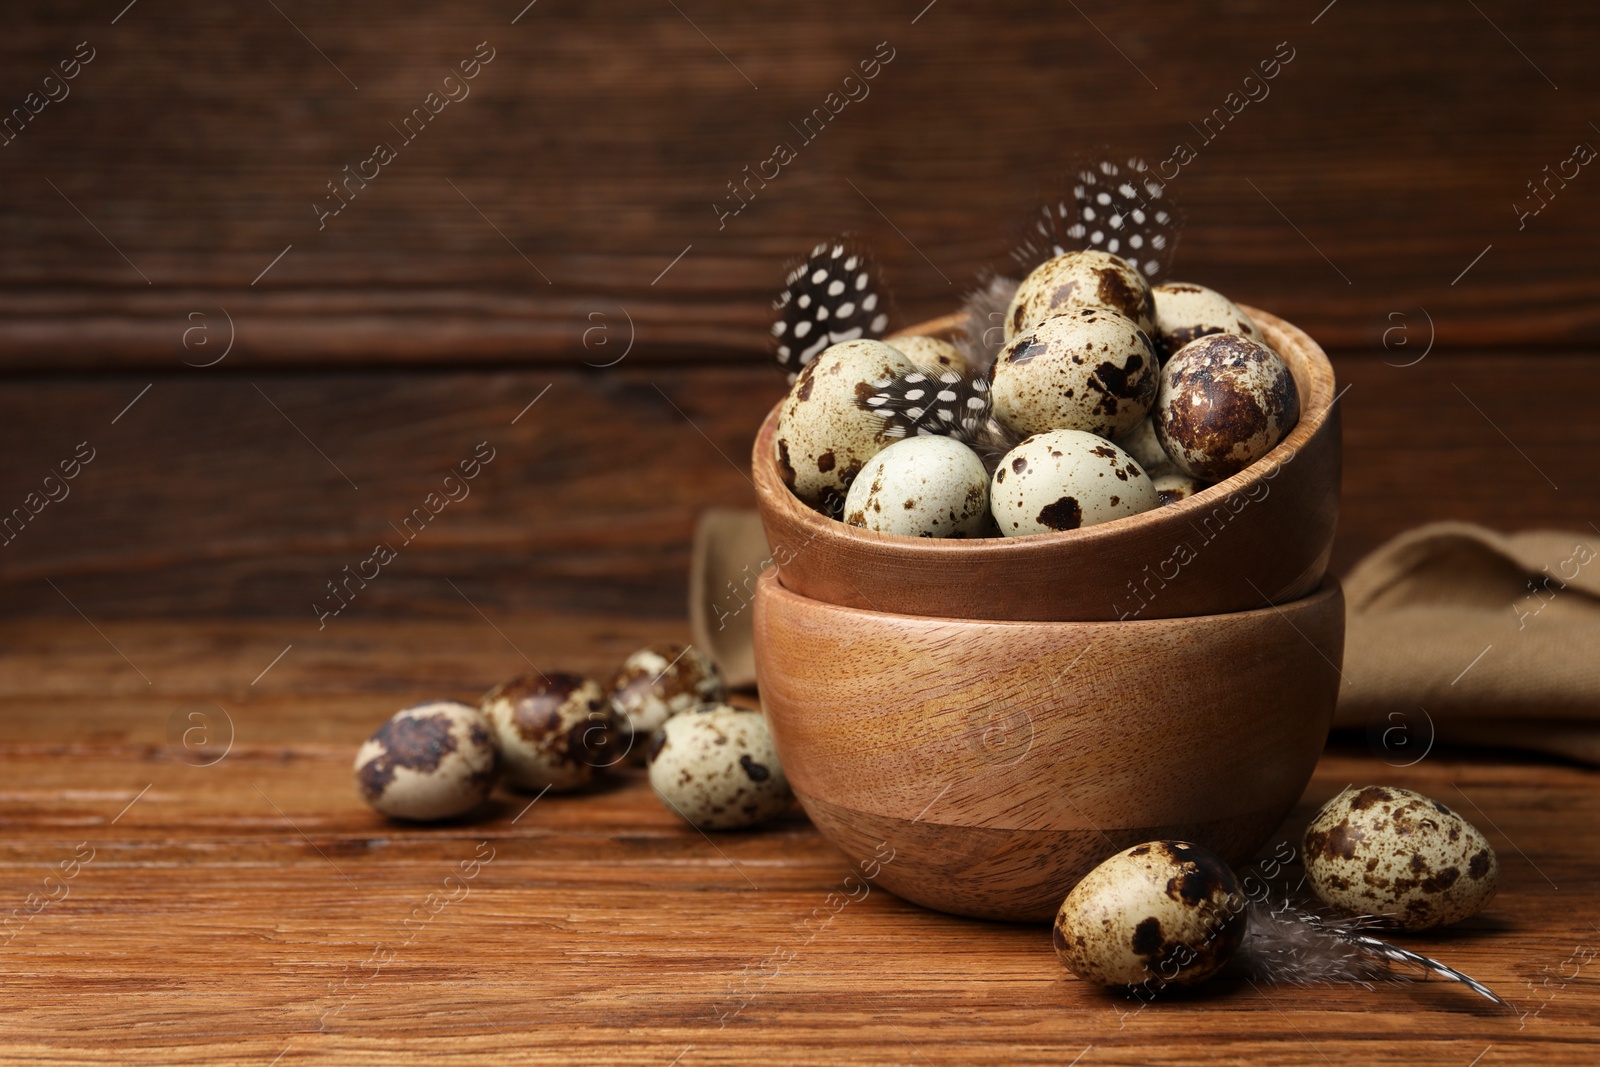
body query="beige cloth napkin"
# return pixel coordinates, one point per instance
(1466, 635)
(1455, 633)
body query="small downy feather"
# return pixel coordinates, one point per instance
(984, 334)
(1286, 945)
(1116, 207)
(834, 294)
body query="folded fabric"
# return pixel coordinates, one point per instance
(1461, 634)
(1454, 633)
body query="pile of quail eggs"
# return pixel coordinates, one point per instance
(1109, 397)
(709, 762)
(1172, 914)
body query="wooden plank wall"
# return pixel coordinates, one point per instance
(560, 212)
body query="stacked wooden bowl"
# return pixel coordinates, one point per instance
(999, 715)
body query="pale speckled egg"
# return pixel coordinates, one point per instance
(1399, 856)
(924, 486)
(554, 731)
(1166, 912)
(1088, 368)
(429, 761)
(1224, 402)
(656, 683)
(931, 355)
(1173, 486)
(1141, 443)
(1081, 279)
(1186, 312)
(825, 434)
(1065, 479)
(717, 768)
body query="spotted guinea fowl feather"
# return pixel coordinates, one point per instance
(834, 294)
(950, 403)
(1287, 945)
(1115, 205)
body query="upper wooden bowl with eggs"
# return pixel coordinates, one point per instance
(1262, 536)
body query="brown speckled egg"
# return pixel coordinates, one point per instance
(1173, 486)
(429, 761)
(931, 354)
(1065, 479)
(825, 435)
(1224, 402)
(717, 768)
(1400, 856)
(657, 683)
(554, 731)
(925, 486)
(1185, 312)
(1140, 443)
(1165, 912)
(1081, 279)
(1088, 368)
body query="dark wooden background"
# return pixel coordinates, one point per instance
(536, 226)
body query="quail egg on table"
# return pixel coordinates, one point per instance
(429, 761)
(1400, 856)
(1080, 279)
(931, 355)
(1185, 312)
(717, 768)
(553, 730)
(923, 486)
(1087, 368)
(656, 683)
(1225, 401)
(1166, 912)
(825, 435)
(1065, 479)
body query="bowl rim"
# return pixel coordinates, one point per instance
(1309, 365)
(1330, 588)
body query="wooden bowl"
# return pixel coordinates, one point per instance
(998, 762)
(1262, 536)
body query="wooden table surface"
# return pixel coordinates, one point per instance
(239, 903)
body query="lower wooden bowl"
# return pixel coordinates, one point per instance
(983, 767)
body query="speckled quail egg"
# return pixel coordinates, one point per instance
(1166, 912)
(931, 355)
(1225, 401)
(825, 435)
(554, 731)
(924, 486)
(1140, 443)
(656, 683)
(1088, 368)
(1185, 312)
(717, 768)
(429, 761)
(1174, 486)
(1081, 279)
(1065, 479)
(1400, 856)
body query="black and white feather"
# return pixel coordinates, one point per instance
(1118, 207)
(835, 294)
(984, 333)
(950, 404)
(1288, 945)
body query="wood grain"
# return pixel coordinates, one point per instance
(204, 500)
(1368, 175)
(999, 762)
(235, 907)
